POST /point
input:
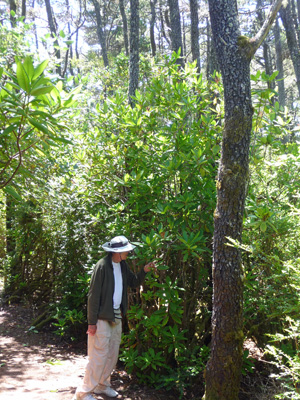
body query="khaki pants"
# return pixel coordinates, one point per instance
(103, 352)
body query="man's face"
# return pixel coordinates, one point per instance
(124, 255)
(118, 257)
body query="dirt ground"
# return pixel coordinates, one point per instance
(36, 366)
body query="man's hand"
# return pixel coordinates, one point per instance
(150, 266)
(91, 330)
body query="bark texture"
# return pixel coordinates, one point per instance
(266, 48)
(152, 24)
(53, 30)
(100, 33)
(279, 65)
(234, 53)
(195, 32)
(125, 26)
(175, 24)
(287, 20)
(134, 50)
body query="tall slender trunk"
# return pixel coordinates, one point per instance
(134, 50)
(279, 65)
(266, 47)
(34, 28)
(211, 57)
(23, 12)
(53, 30)
(184, 52)
(286, 17)
(12, 7)
(162, 23)
(195, 32)
(101, 33)
(152, 24)
(176, 36)
(125, 26)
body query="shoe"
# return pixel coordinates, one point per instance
(109, 391)
(86, 397)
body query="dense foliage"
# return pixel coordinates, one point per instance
(147, 172)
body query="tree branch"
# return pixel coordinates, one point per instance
(257, 40)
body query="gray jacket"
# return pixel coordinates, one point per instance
(100, 297)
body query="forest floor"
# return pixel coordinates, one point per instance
(39, 366)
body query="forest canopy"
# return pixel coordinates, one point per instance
(112, 122)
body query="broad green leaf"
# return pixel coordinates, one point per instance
(41, 81)
(40, 69)
(7, 130)
(263, 226)
(28, 67)
(76, 90)
(39, 126)
(61, 139)
(23, 79)
(11, 191)
(41, 90)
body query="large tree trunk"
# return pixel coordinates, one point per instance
(176, 36)
(134, 50)
(279, 65)
(234, 53)
(100, 33)
(125, 28)
(286, 17)
(195, 32)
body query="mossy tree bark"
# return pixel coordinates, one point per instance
(134, 50)
(234, 55)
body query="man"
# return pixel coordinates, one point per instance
(107, 301)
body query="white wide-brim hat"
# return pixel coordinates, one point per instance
(118, 244)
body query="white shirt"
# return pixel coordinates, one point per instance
(117, 297)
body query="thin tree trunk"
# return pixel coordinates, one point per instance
(53, 30)
(162, 24)
(12, 7)
(184, 52)
(195, 32)
(23, 9)
(295, 20)
(100, 33)
(176, 36)
(125, 27)
(152, 24)
(212, 61)
(134, 50)
(34, 28)
(286, 17)
(266, 47)
(279, 65)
